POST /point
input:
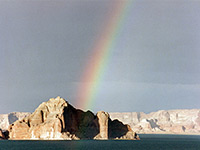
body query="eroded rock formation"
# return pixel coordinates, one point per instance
(57, 119)
(103, 125)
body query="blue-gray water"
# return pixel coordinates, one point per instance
(147, 142)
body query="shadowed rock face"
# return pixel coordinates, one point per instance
(56, 119)
(3, 135)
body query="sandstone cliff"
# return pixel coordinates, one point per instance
(57, 119)
(163, 121)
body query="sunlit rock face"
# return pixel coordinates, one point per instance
(4, 123)
(57, 119)
(186, 121)
(103, 125)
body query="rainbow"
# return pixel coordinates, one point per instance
(102, 51)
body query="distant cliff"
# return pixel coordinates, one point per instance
(185, 121)
(57, 119)
(7, 119)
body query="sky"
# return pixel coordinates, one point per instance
(154, 65)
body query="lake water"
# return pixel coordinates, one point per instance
(147, 142)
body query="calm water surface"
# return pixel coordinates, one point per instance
(147, 142)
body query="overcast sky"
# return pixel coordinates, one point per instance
(155, 64)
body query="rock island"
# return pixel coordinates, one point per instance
(56, 119)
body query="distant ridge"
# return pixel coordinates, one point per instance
(7, 119)
(180, 121)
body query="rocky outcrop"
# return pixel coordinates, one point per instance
(7, 119)
(57, 119)
(163, 121)
(103, 125)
